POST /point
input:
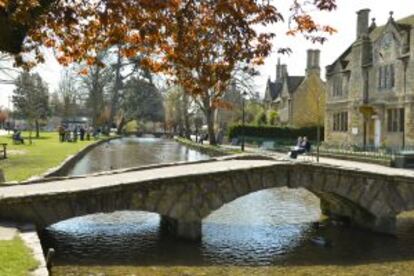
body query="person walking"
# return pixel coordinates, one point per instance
(61, 131)
(82, 133)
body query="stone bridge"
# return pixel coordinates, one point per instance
(185, 193)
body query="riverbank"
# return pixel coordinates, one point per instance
(26, 161)
(376, 269)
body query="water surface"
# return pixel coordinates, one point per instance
(271, 228)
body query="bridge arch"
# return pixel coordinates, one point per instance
(366, 199)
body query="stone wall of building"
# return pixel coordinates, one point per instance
(362, 70)
(308, 102)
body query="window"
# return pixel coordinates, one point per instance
(337, 87)
(395, 117)
(340, 122)
(386, 76)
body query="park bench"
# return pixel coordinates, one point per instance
(267, 145)
(404, 159)
(3, 150)
(234, 142)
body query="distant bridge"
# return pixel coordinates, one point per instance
(156, 134)
(185, 193)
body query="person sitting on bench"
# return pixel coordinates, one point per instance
(17, 137)
(305, 146)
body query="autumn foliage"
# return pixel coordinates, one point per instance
(197, 43)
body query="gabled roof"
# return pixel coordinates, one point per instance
(293, 82)
(404, 23)
(275, 88)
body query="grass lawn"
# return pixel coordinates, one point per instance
(25, 161)
(15, 258)
(375, 269)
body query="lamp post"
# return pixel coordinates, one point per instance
(9, 114)
(244, 94)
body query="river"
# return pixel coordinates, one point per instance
(271, 228)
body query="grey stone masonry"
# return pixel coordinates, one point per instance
(186, 193)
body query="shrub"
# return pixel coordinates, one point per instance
(261, 119)
(273, 118)
(275, 133)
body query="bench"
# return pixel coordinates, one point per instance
(3, 149)
(267, 145)
(234, 142)
(404, 159)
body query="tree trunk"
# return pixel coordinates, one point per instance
(210, 126)
(115, 92)
(121, 125)
(30, 132)
(37, 129)
(186, 117)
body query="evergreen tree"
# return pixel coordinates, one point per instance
(143, 101)
(31, 99)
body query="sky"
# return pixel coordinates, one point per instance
(343, 20)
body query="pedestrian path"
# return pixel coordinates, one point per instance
(7, 231)
(352, 165)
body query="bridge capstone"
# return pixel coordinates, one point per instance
(184, 194)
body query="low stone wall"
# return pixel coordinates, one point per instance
(68, 163)
(206, 149)
(243, 156)
(383, 162)
(31, 239)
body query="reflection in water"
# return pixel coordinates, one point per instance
(252, 230)
(133, 152)
(263, 228)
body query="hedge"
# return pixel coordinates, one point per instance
(276, 133)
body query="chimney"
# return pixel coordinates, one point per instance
(278, 71)
(313, 62)
(284, 71)
(363, 23)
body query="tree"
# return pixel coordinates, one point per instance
(68, 94)
(251, 110)
(173, 110)
(197, 43)
(104, 22)
(143, 101)
(261, 118)
(31, 99)
(96, 80)
(7, 72)
(273, 117)
(4, 116)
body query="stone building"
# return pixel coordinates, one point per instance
(370, 86)
(298, 100)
